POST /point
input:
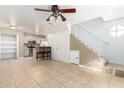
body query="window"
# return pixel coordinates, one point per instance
(117, 30)
(8, 46)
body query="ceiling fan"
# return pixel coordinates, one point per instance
(56, 11)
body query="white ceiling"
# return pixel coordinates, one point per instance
(28, 20)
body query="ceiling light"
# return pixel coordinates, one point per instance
(36, 33)
(13, 27)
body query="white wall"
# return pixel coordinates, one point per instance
(115, 49)
(60, 43)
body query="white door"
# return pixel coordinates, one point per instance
(53, 40)
(74, 56)
(59, 42)
(56, 46)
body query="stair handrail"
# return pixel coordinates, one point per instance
(105, 42)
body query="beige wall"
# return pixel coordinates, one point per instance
(29, 36)
(86, 55)
(20, 35)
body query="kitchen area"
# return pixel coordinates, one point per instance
(18, 44)
(33, 40)
(36, 46)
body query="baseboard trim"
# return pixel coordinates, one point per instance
(91, 68)
(61, 61)
(83, 66)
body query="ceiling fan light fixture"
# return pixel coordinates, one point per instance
(52, 20)
(48, 19)
(56, 11)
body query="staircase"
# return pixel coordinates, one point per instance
(94, 43)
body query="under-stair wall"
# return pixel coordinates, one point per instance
(94, 43)
(86, 55)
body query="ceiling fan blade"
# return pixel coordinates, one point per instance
(37, 9)
(73, 10)
(63, 18)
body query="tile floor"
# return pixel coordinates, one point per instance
(30, 73)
